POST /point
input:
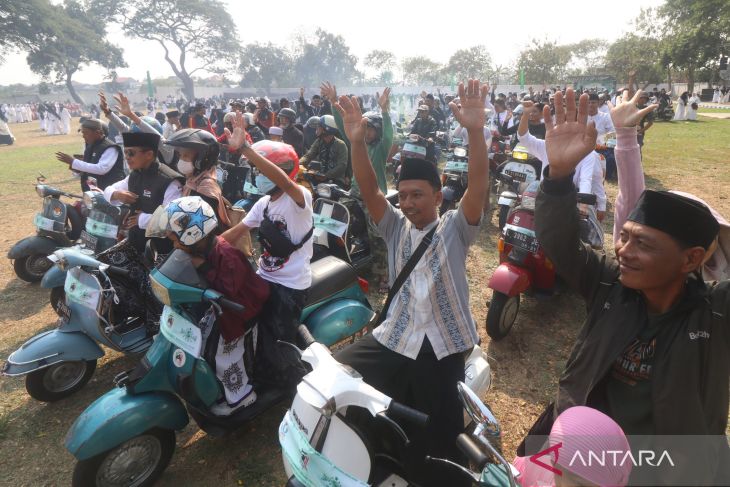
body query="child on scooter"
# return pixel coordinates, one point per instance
(191, 223)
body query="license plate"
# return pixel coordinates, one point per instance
(64, 313)
(88, 240)
(517, 176)
(521, 240)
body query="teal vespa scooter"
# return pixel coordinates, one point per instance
(59, 362)
(127, 436)
(101, 232)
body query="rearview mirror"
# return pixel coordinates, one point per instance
(478, 411)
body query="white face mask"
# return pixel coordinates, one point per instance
(185, 167)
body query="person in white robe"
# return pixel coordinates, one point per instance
(716, 96)
(65, 120)
(694, 101)
(681, 112)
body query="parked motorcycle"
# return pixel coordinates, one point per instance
(454, 178)
(104, 304)
(102, 230)
(512, 179)
(127, 436)
(524, 267)
(58, 225)
(665, 112)
(320, 445)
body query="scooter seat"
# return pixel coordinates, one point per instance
(330, 275)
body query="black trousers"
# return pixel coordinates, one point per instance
(426, 384)
(278, 364)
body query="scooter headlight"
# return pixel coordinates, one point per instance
(41, 190)
(89, 199)
(460, 152)
(161, 292)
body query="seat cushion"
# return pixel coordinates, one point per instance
(330, 275)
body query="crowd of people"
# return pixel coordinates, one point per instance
(636, 366)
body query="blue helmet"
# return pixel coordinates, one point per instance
(191, 219)
(151, 121)
(328, 125)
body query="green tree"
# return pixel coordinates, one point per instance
(421, 70)
(25, 24)
(195, 35)
(544, 62)
(635, 53)
(693, 33)
(325, 57)
(472, 63)
(588, 56)
(78, 40)
(383, 62)
(265, 65)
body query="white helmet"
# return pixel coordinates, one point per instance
(191, 219)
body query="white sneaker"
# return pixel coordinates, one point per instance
(224, 409)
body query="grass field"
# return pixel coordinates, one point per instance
(692, 156)
(713, 110)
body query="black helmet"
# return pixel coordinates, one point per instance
(201, 141)
(375, 120)
(288, 113)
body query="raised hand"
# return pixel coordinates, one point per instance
(329, 91)
(123, 104)
(102, 103)
(354, 123)
(626, 113)
(384, 100)
(238, 136)
(571, 138)
(471, 114)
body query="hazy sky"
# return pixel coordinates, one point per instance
(504, 27)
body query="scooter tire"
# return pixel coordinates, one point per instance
(58, 296)
(31, 268)
(86, 472)
(501, 315)
(36, 382)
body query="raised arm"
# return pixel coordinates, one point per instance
(626, 116)
(471, 116)
(362, 168)
(267, 168)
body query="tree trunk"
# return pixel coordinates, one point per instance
(72, 90)
(188, 86)
(690, 79)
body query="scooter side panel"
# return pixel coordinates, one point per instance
(49, 348)
(118, 416)
(31, 246)
(351, 292)
(338, 320)
(54, 277)
(510, 279)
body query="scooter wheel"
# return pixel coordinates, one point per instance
(59, 380)
(32, 268)
(58, 296)
(501, 315)
(139, 461)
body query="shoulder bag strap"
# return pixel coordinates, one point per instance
(405, 272)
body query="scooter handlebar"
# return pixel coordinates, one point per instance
(232, 305)
(119, 271)
(472, 451)
(401, 411)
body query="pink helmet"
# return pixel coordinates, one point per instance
(584, 431)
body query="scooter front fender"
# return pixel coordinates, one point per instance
(32, 246)
(118, 416)
(49, 348)
(54, 277)
(510, 279)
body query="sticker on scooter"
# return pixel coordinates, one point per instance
(181, 332)
(178, 358)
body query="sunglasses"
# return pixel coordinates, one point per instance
(132, 153)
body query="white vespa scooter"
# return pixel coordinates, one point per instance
(320, 446)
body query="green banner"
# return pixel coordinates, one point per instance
(522, 79)
(150, 88)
